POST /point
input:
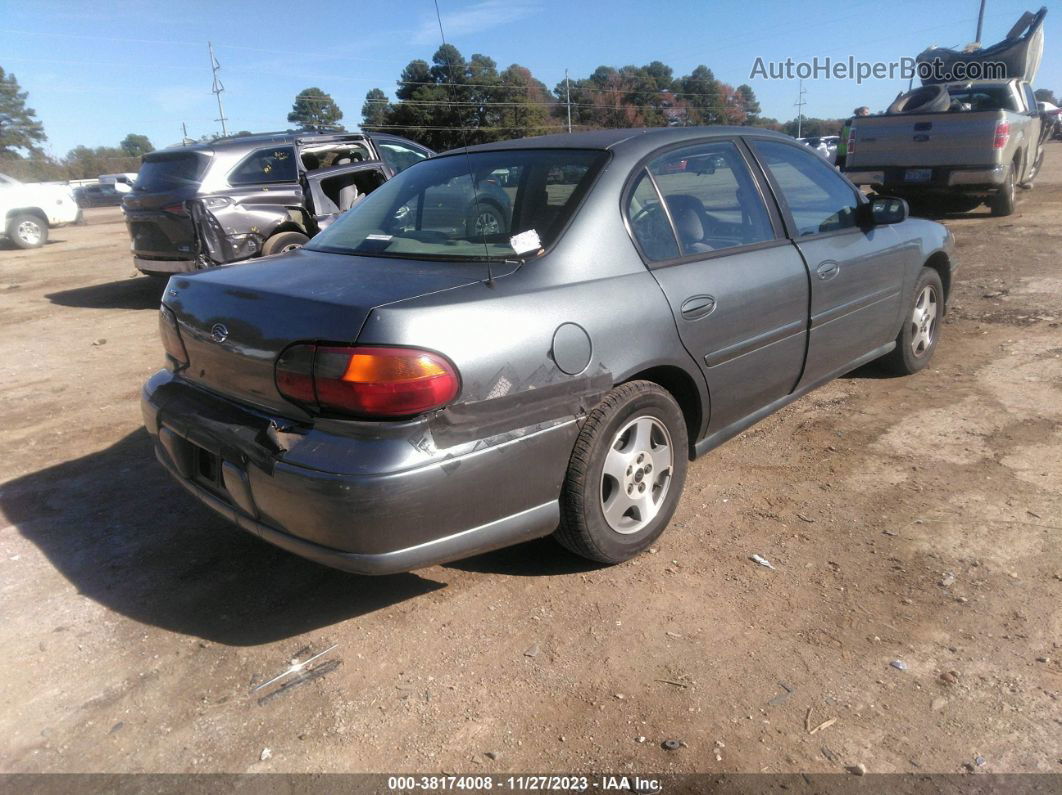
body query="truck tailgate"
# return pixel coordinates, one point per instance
(963, 138)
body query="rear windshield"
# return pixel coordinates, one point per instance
(981, 98)
(484, 205)
(170, 171)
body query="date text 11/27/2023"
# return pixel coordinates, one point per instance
(526, 783)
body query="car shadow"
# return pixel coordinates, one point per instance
(538, 558)
(873, 371)
(930, 214)
(7, 245)
(140, 292)
(126, 536)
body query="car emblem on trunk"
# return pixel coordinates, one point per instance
(219, 333)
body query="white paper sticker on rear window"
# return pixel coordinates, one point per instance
(525, 241)
(378, 237)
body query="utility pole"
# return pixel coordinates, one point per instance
(568, 99)
(800, 103)
(980, 21)
(217, 88)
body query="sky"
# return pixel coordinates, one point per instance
(142, 66)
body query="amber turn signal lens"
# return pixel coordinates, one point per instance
(367, 382)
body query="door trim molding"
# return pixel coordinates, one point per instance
(864, 301)
(752, 344)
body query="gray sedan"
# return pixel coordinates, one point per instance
(401, 391)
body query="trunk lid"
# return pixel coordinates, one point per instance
(264, 306)
(962, 138)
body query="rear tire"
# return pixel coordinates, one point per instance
(626, 474)
(926, 99)
(922, 323)
(27, 231)
(1004, 200)
(283, 241)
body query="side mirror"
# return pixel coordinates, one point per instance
(882, 210)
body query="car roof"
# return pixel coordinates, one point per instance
(621, 139)
(251, 141)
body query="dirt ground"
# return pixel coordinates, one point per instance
(915, 520)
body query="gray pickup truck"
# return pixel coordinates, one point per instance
(985, 142)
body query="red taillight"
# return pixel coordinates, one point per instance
(171, 337)
(1002, 135)
(366, 381)
(175, 209)
(850, 148)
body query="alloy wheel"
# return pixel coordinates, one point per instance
(636, 474)
(487, 223)
(924, 321)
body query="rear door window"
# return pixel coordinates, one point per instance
(818, 198)
(273, 164)
(711, 199)
(649, 222)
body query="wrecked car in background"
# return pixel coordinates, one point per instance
(951, 146)
(199, 206)
(401, 391)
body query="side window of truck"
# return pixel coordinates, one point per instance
(1030, 98)
(274, 164)
(818, 199)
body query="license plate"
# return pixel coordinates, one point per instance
(918, 175)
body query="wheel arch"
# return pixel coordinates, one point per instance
(683, 388)
(941, 263)
(287, 226)
(35, 211)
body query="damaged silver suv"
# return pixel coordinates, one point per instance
(204, 205)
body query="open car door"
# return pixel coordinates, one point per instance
(332, 191)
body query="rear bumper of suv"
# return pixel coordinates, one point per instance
(151, 266)
(401, 504)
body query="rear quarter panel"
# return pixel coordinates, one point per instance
(501, 340)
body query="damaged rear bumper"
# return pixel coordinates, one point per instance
(152, 266)
(377, 501)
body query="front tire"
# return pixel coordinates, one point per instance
(27, 231)
(921, 328)
(626, 474)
